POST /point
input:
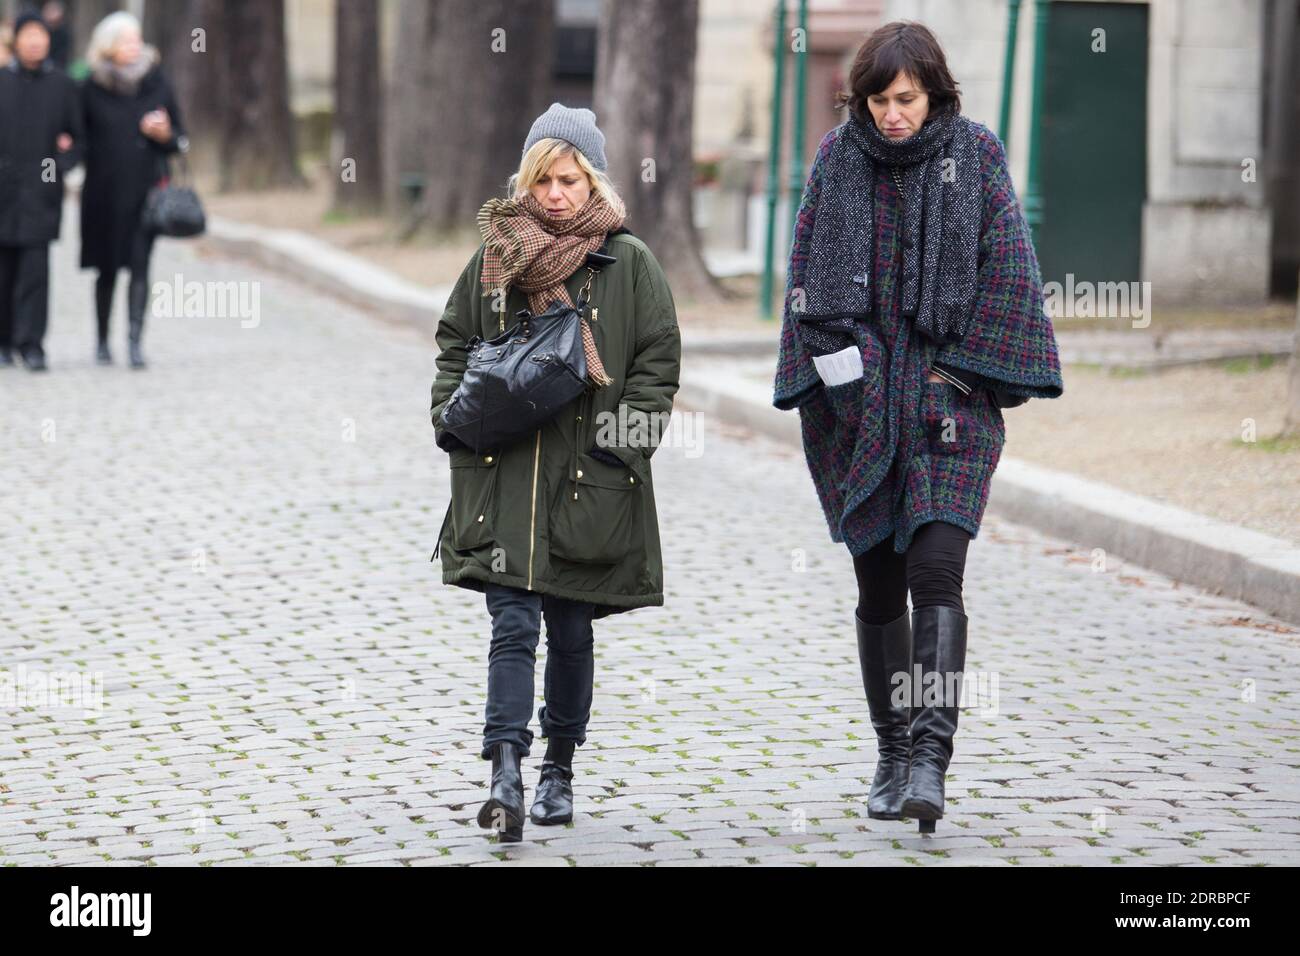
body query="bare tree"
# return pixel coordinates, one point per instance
(485, 75)
(178, 28)
(359, 184)
(406, 123)
(82, 16)
(248, 91)
(167, 25)
(645, 92)
(1291, 423)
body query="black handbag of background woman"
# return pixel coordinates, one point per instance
(171, 210)
(520, 379)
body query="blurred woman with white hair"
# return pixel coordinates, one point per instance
(132, 126)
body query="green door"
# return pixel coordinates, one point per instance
(1093, 146)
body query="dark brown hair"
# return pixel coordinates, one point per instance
(902, 46)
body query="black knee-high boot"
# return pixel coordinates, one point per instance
(883, 651)
(938, 648)
(137, 298)
(104, 286)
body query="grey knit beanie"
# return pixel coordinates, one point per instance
(576, 126)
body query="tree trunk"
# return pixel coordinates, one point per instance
(645, 92)
(406, 118)
(170, 26)
(258, 145)
(1291, 424)
(491, 62)
(82, 16)
(165, 22)
(358, 175)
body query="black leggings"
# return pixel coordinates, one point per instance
(932, 570)
(137, 293)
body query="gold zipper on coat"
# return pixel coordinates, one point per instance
(532, 527)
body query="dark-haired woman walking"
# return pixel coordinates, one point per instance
(913, 316)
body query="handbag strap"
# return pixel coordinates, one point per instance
(186, 178)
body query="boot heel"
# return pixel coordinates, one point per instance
(926, 826)
(494, 815)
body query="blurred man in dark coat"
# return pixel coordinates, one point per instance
(40, 137)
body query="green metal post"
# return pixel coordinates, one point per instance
(800, 83)
(1034, 211)
(773, 166)
(1009, 72)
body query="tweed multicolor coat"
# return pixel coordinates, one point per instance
(891, 450)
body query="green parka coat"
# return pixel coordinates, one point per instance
(541, 513)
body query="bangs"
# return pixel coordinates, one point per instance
(900, 47)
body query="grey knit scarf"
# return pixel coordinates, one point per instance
(124, 80)
(941, 219)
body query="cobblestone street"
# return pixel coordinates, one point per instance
(238, 541)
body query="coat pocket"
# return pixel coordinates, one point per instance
(473, 498)
(945, 426)
(847, 399)
(851, 400)
(958, 424)
(597, 518)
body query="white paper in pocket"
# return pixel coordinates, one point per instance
(840, 367)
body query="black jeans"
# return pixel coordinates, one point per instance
(137, 292)
(932, 569)
(24, 297)
(570, 667)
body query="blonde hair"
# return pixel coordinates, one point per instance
(543, 155)
(106, 34)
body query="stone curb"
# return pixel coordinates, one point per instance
(1259, 569)
(1222, 558)
(323, 266)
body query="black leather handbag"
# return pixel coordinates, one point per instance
(173, 210)
(518, 380)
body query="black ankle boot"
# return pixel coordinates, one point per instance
(102, 355)
(553, 802)
(504, 809)
(883, 651)
(938, 647)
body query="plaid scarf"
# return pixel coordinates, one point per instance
(535, 253)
